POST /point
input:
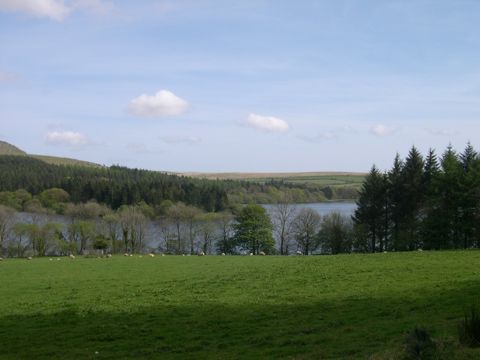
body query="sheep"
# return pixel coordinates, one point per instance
(131, 254)
(1, 259)
(58, 259)
(72, 256)
(262, 253)
(201, 253)
(151, 255)
(109, 255)
(251, 254)
(420, 249)
(29, 258)
(50, 259)
(126, 254)
(163, 254)
(223, 254)
(299, 253)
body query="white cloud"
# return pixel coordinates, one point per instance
(181, 139)
(162, 104)
(53, 9)
(56, 10)
(266, 123)
(382, 130)
(66, 138)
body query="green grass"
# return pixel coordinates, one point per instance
(173, 307)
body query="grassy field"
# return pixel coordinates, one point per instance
(173, 307)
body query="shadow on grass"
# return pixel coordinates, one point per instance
(349, 328)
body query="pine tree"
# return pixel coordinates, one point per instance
(395, 195)
(413, 197)
(370, 212)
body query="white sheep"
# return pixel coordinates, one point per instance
(109, 255)
(223, 254)
(299, 253)
(163, 254)
(72, 256)
(201, 253)
(50, 259)
(151, 255)
(251, 254)
(262, 253)
(29, 258)
(58, 259)
(1, 259)
(126, 254)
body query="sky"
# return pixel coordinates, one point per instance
(239, 86)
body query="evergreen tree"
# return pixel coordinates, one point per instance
(413, 197)
(369, 215)
(395, 196)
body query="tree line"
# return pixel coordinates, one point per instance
(116, 186)
(421, 203)
(171, 228)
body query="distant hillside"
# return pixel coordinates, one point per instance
(55, 160)
(334, 179)
(9, 149)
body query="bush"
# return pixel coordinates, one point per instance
(469, 329)
(419, 345)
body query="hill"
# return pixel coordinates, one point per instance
(9, 149)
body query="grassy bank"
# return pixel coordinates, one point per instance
(349, 306)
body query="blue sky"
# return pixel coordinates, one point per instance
(199, 85)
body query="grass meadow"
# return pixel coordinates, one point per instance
(233, 307)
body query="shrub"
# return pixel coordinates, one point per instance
(419, 345)
(469, 329)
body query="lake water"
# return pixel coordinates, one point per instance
(324, 208)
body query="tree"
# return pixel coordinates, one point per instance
(226, 242)
(253, 230)
(335, 235)
(283, 215)
(80, 233)
(112, 224)
(306, 225)
(6, 224)
(370, 212)
(207, 230)
(413, 198)
(395, 195)
(134, 225)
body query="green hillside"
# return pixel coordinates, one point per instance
(9, 149)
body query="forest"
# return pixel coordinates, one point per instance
(421, 203)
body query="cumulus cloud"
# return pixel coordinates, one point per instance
(382, 130)
(66, 138)
(266, 123)
(162, 104)
(181, 139)
(56, 10)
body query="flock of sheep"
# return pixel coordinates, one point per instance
(201, 253)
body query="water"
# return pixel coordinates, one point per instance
(324, 208)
